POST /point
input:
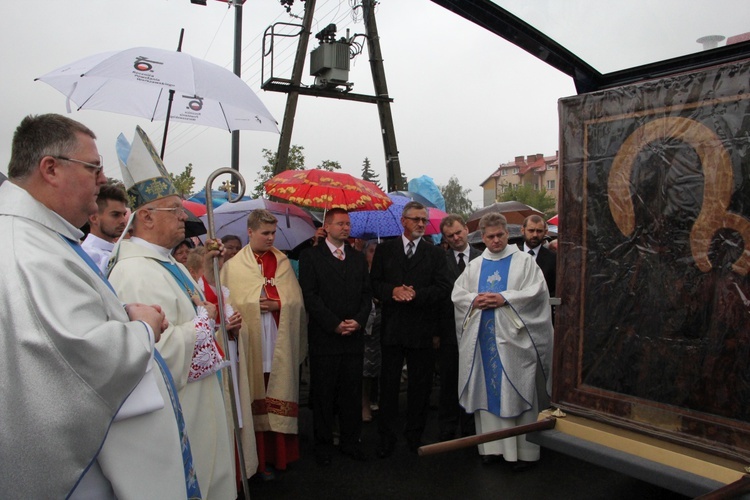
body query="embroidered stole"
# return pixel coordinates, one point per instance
(493, 277)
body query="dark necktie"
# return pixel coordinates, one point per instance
(531, 252)
(461, 262)
(410, 250)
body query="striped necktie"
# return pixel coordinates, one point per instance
(410, 250)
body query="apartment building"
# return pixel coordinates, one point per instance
(536, 170)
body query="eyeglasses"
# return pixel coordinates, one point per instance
(418, 219)
(177, 211)
(96, 169)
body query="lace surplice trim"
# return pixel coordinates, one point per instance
(207, 359)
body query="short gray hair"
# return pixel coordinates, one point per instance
(412, 205)
(492, 219)
(41, 135)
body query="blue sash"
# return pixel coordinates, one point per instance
(493, 277)
(185, 283)
(191, 480)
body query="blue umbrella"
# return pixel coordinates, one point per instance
(384, 223)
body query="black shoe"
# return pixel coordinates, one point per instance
(491, 459)
(354, 453)
(386, 447)
(522, 465)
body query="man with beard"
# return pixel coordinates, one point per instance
(410, 279)
(107, 224)
(534, 230)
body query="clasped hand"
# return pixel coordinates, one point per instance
(152, 315)
(403, 293)
(347, 327)
(487, 300)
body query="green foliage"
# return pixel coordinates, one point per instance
(184, 181)
(456, 198)
(537, 198)
(368, 174)
(329, 165)
(296, 161)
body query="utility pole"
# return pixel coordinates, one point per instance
(328, 88)
(235, 160)
(285, 140)
(392, 164)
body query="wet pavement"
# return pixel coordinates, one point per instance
(455, 475)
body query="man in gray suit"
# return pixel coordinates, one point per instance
(451, 416)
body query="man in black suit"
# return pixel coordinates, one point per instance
(410, 278)
(336, 288)
(450, 415)
(534, 230)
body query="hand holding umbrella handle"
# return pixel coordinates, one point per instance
(220, 296)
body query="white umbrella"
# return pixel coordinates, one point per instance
(295, 226)
(137, 82)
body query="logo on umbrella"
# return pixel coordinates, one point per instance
(143, 63)
(195, 103)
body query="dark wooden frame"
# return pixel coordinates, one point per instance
(716, 97)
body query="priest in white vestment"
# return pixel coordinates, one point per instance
(504, 334)
(143, 269)
(86, 410)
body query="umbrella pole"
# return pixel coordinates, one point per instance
(169, 104)
(222, 315)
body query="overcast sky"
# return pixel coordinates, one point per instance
(464, 100)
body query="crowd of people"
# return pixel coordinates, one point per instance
(113, 338)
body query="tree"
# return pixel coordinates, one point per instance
(368, 174)
(527, 194)
(184, 182)
(456, 198)
(296, 162)
(329, 165)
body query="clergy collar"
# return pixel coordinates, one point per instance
(507, 251)
(164, 252)
(98, 242)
